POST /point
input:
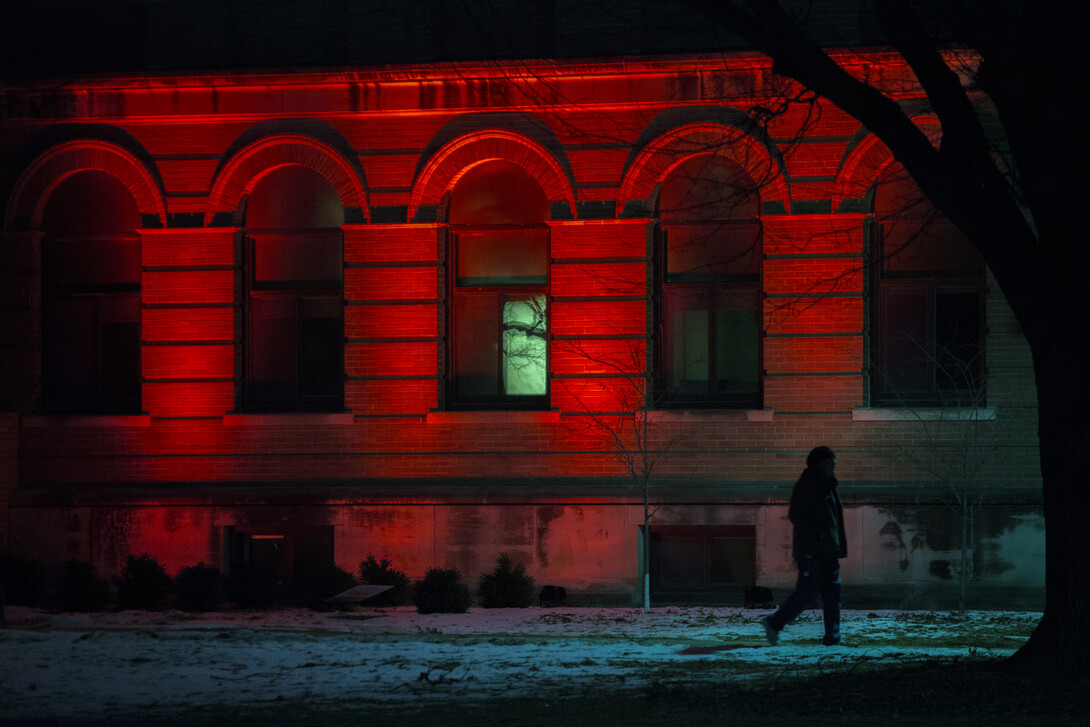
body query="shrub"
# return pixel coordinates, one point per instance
(77, 588)
(321, 582)
(252, 585)
(380, 573)
(200, 588)
(506, 586)
(442, 591)
(23, 579)
(143, 585)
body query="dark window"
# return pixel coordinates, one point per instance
(710, 335)
(277, 565)
(500, 269)
(929, 304)
(295, 307)
(709, 270)
(91, 271)
(692, 560)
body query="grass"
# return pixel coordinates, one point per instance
(956, 692)
(848, 687)
(962, 692)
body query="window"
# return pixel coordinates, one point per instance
(703, 559)
(927, 346)
(499, 280)
(295, 304)
(280, 562)
(91, 270)
(709, 270)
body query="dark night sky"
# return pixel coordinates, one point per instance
(73, 37)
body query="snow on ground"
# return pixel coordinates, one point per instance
(132, 663)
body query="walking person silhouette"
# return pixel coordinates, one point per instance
(818, 543)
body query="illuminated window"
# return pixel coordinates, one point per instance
(499, 280)
(91, 272)
(709, 269)
(294, 358)
(927, 345)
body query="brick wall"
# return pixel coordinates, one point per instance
(396, 150)
(9, 448)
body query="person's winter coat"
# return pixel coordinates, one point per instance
(818, 517)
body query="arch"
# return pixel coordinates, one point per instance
(293, 197)
(866, 160)
(707, 187)
(240, 173)
(451, 161)
(657, 158)
(34, 186)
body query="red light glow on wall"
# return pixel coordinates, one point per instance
(354, 179)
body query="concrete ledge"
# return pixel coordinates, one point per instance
(119, 420)
(926, 414)
(289, 420)
(493, 417)
(711, 415)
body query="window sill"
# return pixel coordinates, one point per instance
(86, 420)
(926, 414)
(493, 417)
(289, 419)
(705, 415)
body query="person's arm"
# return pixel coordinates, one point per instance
(805, 514)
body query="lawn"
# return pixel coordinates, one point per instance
(578, 666)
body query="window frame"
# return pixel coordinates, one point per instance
(94, 398)
(669, 397)
(457, 400)
(295, 291)
(931, 283)
(703, 571)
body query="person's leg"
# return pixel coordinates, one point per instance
(830, 601)
(805, 589)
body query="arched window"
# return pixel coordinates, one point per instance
(499, 281)
(294, 355)
(708, 267)
(928, 320)
(91, 271)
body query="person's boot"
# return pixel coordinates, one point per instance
(771, 632)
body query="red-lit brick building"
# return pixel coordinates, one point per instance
(314, 314)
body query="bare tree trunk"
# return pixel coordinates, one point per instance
(1060, 641)
(1038, 259)
(646, 550)
(966, 534)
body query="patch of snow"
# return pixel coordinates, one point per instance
(130, 663)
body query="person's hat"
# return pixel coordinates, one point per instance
(818, 454)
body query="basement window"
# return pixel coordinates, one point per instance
(703, 562)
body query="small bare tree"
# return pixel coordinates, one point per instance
(955, 440)
(622, 418)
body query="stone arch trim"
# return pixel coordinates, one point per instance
(27, 203)
(450, 162)
(868, 158)
(661, 155)
(238, 176)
